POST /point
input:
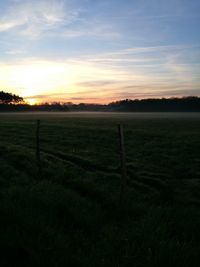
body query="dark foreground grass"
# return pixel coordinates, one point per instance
(69, 214)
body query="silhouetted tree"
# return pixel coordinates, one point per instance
(187, 104)
(8, 98)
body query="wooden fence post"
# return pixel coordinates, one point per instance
(38, 160)
(123, 162)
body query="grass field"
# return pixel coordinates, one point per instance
(69, 214)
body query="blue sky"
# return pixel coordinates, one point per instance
(99, 51)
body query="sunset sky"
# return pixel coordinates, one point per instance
(99, 50)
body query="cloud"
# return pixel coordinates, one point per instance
(95, 29)
(153, 71)
(64, 98)
(33, 18)
(158, 94)
(58, 18)
(15, 52)
(96, 84)
(114, 96)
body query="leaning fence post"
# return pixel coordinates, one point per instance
(38, 146)
(122, 162)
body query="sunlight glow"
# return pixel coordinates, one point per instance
(32, 101)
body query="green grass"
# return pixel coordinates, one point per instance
(70, 215)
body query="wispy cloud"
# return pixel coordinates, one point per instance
(92, 27)
(14, 52)
(97, 84)
(32, 19)
(106, 75)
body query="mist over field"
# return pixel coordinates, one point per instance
(120, 116)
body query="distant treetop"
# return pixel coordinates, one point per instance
(8, 98)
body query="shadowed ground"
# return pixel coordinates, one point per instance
(69, 214)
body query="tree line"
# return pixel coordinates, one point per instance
(189, 104)
(11, 102)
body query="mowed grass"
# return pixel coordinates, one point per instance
(69, 214)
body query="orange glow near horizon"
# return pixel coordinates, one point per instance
(32, 101)
(85, 81)
(37, 101)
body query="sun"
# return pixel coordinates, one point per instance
(32, 101)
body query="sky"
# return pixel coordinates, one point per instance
(99, 51)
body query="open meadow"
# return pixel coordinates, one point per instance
(69, 213)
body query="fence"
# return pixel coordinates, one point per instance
(122, 153)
